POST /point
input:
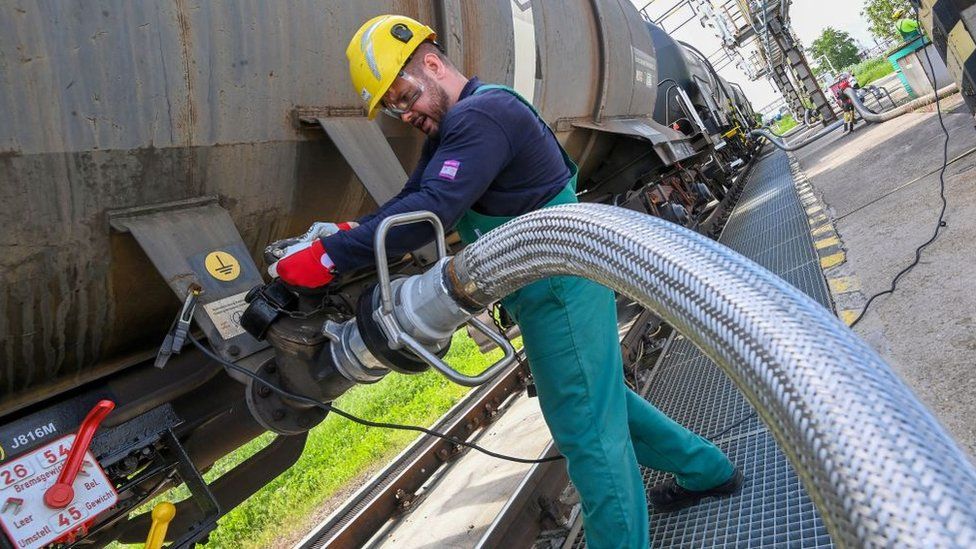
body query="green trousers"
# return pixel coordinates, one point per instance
(569, 328)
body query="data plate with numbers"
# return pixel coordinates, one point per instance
(26, 520)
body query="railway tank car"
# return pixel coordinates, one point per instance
(697, 100)
(136, 138)
(680, 69)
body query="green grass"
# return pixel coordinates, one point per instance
(783, 125)
(338, 451)
(869, 70)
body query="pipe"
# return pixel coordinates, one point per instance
(878, 465)
(878, 118)
(795, 146)
(604, 61)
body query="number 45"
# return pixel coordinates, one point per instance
(66, 517)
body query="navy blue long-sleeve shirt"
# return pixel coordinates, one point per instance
(492, 154)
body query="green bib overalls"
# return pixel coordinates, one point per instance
(569, 329)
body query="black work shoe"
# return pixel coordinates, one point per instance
(669, 496)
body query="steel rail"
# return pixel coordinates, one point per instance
(391, 491)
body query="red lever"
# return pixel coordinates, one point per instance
(61, 493)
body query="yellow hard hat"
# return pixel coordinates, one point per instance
(899, 13)
(378, 51)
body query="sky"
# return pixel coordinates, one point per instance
(808, 18)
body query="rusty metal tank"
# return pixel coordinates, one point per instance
(108, 105)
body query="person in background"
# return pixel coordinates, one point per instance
(907, 27)
(846, 105)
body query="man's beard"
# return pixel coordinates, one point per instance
(437, 99)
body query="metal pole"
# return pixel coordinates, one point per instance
(829, 64)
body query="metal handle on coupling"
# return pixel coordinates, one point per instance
(379, 245)
(400, 337)
(486, 375)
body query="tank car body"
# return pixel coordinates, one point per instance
(110, 110)
(111, 106)
(680, 68)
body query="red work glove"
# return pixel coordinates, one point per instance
(306, 266)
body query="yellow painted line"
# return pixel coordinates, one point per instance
(832, 260)
(814, 210)
(823, 229)
(843, 284)
(818, 219)
(848, 316)
(829, 241)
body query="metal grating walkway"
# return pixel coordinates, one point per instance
(769, 226)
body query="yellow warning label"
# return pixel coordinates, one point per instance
(222, 266)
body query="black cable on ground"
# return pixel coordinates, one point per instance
(330, 408)
(941, 223)
(740, 421)
(957, 158)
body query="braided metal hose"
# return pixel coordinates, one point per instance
(772, 138)
(885, 116)
(880, 468)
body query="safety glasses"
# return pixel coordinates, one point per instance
(400, 100)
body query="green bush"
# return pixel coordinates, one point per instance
(783, 125)
(869, 70)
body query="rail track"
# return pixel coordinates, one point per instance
(392, 491)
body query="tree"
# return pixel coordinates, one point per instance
(879, 12)
(837, 47)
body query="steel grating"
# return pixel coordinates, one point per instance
(769, 225)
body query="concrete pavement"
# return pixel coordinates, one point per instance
(881, 187)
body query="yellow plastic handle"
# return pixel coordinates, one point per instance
(162, 514)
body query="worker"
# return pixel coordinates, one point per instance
(907, 27)
(843, 82)
(489, 157)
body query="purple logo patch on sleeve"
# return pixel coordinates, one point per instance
(449, 169)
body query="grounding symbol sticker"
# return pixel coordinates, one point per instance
(222, 266)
